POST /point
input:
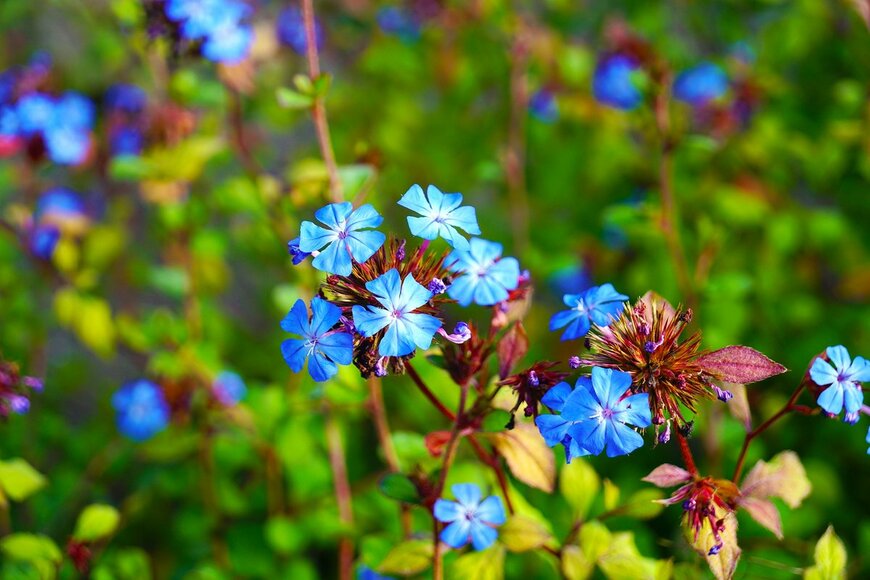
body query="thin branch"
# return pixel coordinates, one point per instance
(342, 492)
(687, 453)
(515, 156)
(318, 110)
(412, 372)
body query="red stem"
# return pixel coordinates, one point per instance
(687, 454)
(412, 372)
(342, 493)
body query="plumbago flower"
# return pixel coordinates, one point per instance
(485, 277)
(700, 84)
(645, 341)
(709, 504)
(229, 388)
(613, 83)
(405, 328)
(597, 415)
(599, 304)
(841, 382)
(324, 346)
(347, 237)
(142, 410)
(442, 214)
(469, 519)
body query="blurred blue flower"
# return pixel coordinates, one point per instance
(67, 145)
(597, 304)
(406, 329)
(543, 106)
(291, 30)
(229, 388)
(73, 110)
(218, 23)
(63, 209)
(613, 85)
(442, 214)
(346, 236)
(700, 84)
(323, 347)
(229, 42)
(601, 415)
(469, 519)
(398, 21)
(142, 411)
(126, 98)
(555, 428)
(126, 140)
(42, 240)
(35, 113)
(843, 381)
(571, 279)
(366, 573)
(485, 277)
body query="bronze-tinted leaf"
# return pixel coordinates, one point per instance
(739, 364)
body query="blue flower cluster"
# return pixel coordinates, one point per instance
(597, 415)
(700, 84)
(291, 30)
(125, 106)
(142, 410)
(391, 300)
(469, 519)
(219, 24)
(599, 305)
(63, 124)
(614, 83)
(842, 382)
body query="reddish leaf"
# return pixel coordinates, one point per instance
(667, 475)
(512, 347)
(740, 364)
(763, 512)
(436, 441)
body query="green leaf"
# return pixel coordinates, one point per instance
(19, 480)
(830, 556)
(409, 557)
(30, 548)
(495, 421)
(594, 539)
(575, 564)
(94, 326)
(290, 99)
(527, 456)
(96, 522)
(522, 533)
(129, 168)
(623, 561)
(484, 565)
(611, 495)
(644, 504)
(400, 487)
(579, 484)
(283, 535)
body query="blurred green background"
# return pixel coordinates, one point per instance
(773, 218)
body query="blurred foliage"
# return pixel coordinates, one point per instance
(184, 272)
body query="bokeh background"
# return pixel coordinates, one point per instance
(182, 270)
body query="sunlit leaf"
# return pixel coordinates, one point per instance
(408, 557)
(527, 456)
(579, 484)
(783, 477)
(830, 556)
(19, 480)
(521, 534)
(96, 522)
(484, 565)
(575, 564)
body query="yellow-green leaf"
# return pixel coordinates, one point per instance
(409, 557)
(527, 456)
(575, 564)
(19, 480)
(96, 522)
(94, 326)
(830, 558)
(484, 565)
(594, 540)
(30, 548)
(644, 504)
(623, 561)
(522, 533)
(611, 495)
(579, 485)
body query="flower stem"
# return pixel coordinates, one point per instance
(318, 109)
(342, 492)
(687, 453)
(412, 372)
(379, 415)
(788, 407)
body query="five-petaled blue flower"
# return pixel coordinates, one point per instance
(486, 277)
(406, 329)
(442, 214)
(700, 84)
(322, 346)
(346, 236)
(597, 415)
(468, 518)
(229, 388)
(843, 380)
(613, 83)
(142, 411)
(554, 428)
(597, 304)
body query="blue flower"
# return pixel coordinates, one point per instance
(63, 209)
(597, 304)
(142, 411)
(294, 251)
(229, 388)
(399, 22)
(406, 329)
(543, 106)
(199, 18)
(555, 428)
(600, 416)
(35, 112)
(74, 111)
(486, 278)
(127, 98)
(67, 145)
(346, 236)
(42, 240)
(229, 41)
(700, 84)
(469, 519)
(613, 85)
(442, 214)
(291, 30)
(843, 381)
(326, 348)
(126, 140)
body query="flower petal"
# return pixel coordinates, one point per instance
(839, 356)
(556, 396)
(397, 341)
(415, 200)
(636, 410)
(334, 215)
(365, 216)
(338, 346)
(590, 435)
(491, 511)
(467, 494)
(321, 368)
(822, 372)
(456, 534)
(294, 352)
(313, 237)
(334, 259)
(363, 245)
(296, 321)
(621, 440)
(553, 428)
(387, 287)
(370, 320)
(412, 295)
(420, 328)
(324, 315)
(447, 511)
(831, 399)
(482, 536)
